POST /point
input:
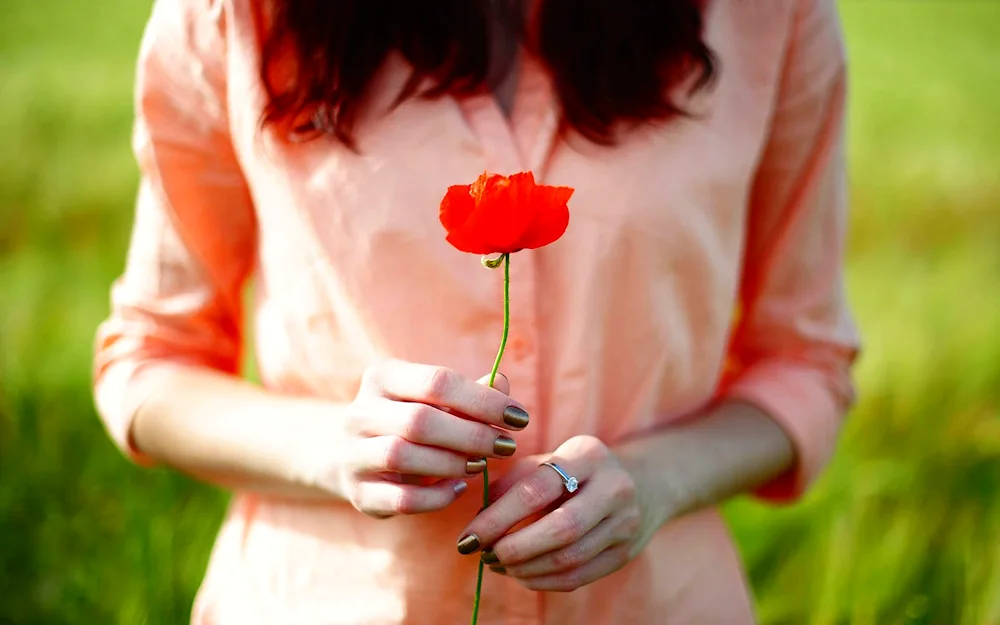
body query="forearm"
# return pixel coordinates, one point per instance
(225, 431)
(735, 448)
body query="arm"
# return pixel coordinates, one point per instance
(733, 448)
(223, 430)
(166, 358)
(789, 383)
(166, 362)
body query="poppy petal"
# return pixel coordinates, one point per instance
(550, 216)
(466, 240)
(503, 213)
(500, 214)
(523, 180)
(456, 207)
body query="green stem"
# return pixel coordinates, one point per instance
(506, 318)
(479, 578)
(493, 376)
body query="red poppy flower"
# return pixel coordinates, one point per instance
(500, 215)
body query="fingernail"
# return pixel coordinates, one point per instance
(460, 487)
(474, 466)
(468, 544)
(515, 417)
(499, 568)
(489, 557)
(504, 446)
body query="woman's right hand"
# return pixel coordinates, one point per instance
(416, 420)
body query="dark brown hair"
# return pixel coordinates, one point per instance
(610, 60)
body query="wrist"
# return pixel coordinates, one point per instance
(315, 456)
(730, 449)
(662, 495)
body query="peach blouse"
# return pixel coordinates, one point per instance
(624, 325)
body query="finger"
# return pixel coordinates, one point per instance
(560, 528)
(383, 499)
(606, 563)
(500, 383)
(397, 455)
(606, 534)
(427, 425)
(407, 478)
(439, 386)
(524, 467)
(535, 492)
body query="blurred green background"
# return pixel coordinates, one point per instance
(904, 527)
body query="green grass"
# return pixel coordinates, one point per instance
(903, 528)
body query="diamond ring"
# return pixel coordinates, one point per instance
(569, 482)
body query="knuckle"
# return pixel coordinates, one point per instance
(355, 420)
(596, 450)
(358, 502)
(620, 557)
(568, 527)
(508, 552)
(480, 401)
(631, 523)
(370, 378)
(362, 504)
(438, 383)
(418, 422)
(569, 557)
(493, 525)
(407, 502)
(589, 448)
(533, 492)
(568, 582)
(624, 486)
(395, 454)
(481, 440)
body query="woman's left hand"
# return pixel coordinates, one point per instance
(582, 536)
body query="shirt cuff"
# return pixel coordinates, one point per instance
(119, 392)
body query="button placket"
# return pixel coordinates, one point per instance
(523, 341)
(519, 366)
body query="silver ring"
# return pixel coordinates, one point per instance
(570, 483)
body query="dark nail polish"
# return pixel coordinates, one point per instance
(489, 557)
(476, 465)
(515, 417)
(504, 446)
(468, 544)
(499, 568)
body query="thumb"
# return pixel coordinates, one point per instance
(501, 383)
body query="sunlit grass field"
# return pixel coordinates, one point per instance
(904, 527)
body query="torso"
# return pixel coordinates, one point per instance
(619, 327)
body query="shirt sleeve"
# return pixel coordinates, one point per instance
(794, 343)
(194, 234)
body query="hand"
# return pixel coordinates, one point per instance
(417, 420)
(581, 537)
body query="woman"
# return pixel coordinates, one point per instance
(686, 340)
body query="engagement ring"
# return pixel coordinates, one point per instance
(569, 481)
